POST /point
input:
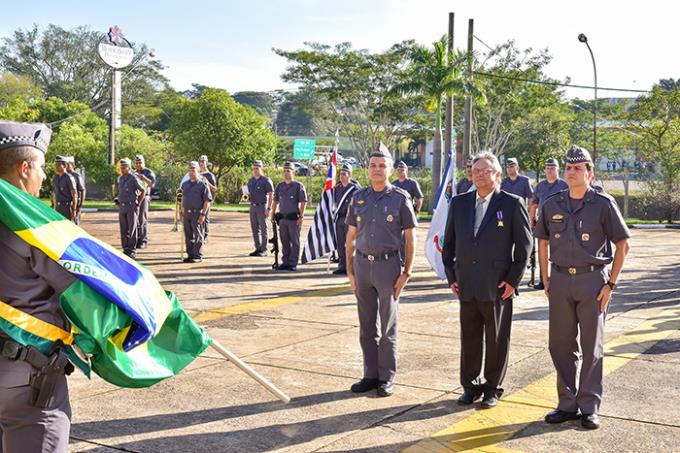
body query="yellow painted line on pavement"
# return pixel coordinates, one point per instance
(273, 302)
(483, 430)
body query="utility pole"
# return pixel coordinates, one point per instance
(467, 134)
(112, 123)
(448, 124)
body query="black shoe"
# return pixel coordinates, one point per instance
(261, 253)
(255, 253)
(490, 400)
(196, 260)
(559, 416)
(283, 267)
(469, 396)
(539, 286)
(340, 272)
(186, 260)
(386, 388)
(292, 268)
(365, 385)
(590, 421)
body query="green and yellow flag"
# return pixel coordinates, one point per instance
(132, 331)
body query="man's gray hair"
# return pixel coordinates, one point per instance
(490, 157)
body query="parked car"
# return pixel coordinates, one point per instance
(300, 168)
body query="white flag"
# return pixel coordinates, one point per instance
(435, 236)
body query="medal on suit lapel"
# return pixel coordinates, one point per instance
(499, 216)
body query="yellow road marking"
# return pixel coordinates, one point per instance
(273, 302)
(484, 430)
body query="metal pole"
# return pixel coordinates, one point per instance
(112, 124)
(448, 117)
(467, 137)
(592, 57)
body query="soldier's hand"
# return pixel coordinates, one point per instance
(201, 219)
(399, 285)
(604, 297)
(299, 221)
(546, 289)
(508, 291)
(352, 282)
(454, 288)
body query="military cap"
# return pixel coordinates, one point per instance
(61, 160)
(193, 164)
(346, 167)
(14, 134)
(551, 162)
(125, 162)
(257, 163)
(511, 161)
(577, 155)
(382, 151)
(139, 158)
(402, 164)
(203, 157)
(288, 166)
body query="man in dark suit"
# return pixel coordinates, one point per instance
(486, 249)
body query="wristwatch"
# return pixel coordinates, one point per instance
(611, 285)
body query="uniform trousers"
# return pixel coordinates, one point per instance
(289, 232)
(258, 225)
(574, 309)
(127, 221)
(341, 228)
(25, 428)
(193, 234)
(143, 222)
(378, 310)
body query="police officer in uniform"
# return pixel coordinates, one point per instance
(80, 186)
(575, 230)
(545, 189)
(515, 183)
(466, 182)
(378, 216)
(410, 185)
(291, 198)
(196, 198)
(342, 198)
(260, 194)
(211, 180)
(32, 284)
(148, 177)
(131, 191)
(64, 194)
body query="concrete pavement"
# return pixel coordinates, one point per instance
(300, 330)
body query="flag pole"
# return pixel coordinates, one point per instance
(250, 371)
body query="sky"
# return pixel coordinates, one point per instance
(228, 44)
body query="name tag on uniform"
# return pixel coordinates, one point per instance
(557, 218)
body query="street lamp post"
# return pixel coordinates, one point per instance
(584, 39)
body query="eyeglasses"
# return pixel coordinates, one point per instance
(482, 171)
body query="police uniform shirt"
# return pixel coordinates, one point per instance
(340, 191)
(521, 186)
(411, 186)
(463, 186)
(31, 281)
(545, 189)
(63, 185)
(194, 194)
(128, 187)
(148, 173)
(380, 217)
(581, 231)
(78, 181)
(258, 188)
(210, 177)
(289, 195)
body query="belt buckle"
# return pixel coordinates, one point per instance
(10, 350)
(572, 271)
(370, 257)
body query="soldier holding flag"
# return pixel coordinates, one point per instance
(343, 195)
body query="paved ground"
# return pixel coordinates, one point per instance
(300, 330)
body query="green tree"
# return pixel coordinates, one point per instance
(215, 124)
(655, 118)
(540, 134)
(262, 102)
(356, 88)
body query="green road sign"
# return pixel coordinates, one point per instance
(303, 148)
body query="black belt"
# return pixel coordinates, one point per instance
(575, 270)
(64, 202)
(258, 204)
(126, 204)
(12, 350)
(377, 257)
(193, 210)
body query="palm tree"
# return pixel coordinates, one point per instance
(435, 73)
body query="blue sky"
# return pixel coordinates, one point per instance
(228, 44)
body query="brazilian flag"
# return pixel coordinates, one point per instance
(129, 330)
